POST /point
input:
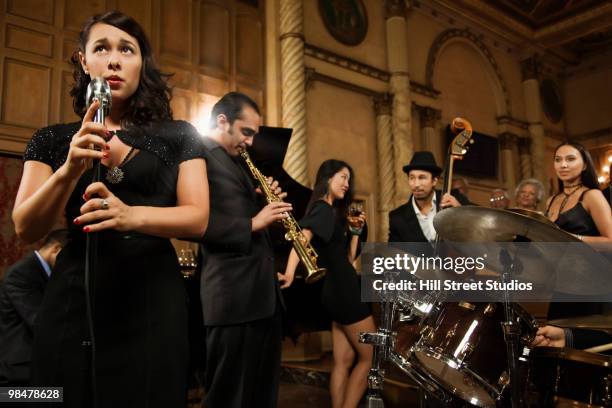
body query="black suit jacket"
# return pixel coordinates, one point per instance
(21, 294)
(238, 280)
(404, 225)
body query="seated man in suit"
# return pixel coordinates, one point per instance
(413, 221)
(21, 293)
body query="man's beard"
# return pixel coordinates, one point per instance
(426, 198)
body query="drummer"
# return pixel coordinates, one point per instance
(581, 209)
(413, 221)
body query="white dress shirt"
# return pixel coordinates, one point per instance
(426, 221)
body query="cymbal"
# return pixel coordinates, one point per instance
(481, 224)
(550, 257)
(536, 215)
(594, 322)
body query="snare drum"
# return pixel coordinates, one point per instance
(462, 348)
(566, 377)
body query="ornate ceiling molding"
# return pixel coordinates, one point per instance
(460, 34)
(364, 69)
(345, 62)
(508, 120)
(548, 38)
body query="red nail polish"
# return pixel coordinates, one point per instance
(85, 197)
(76, 221)
(105, 155)
(107, 147)
(85, 229)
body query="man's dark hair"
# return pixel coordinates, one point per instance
(59, 236)
(231, 106)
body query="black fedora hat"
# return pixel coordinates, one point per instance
(423, 161)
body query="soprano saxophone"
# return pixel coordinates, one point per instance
(293, 232)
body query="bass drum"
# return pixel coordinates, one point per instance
(461, 347)
(565, 377)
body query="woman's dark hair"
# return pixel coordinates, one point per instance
(588, 177)
(151, 101)
(327, 170)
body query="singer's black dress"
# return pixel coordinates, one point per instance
(140, 312)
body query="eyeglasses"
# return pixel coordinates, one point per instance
(494, 199)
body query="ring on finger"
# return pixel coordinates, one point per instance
(104, 205)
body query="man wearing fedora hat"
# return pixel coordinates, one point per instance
(413, 221)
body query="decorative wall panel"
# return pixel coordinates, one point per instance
(25, 97)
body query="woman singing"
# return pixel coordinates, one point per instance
(335, 238)
(153, 187)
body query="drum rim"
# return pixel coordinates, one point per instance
(493, 392)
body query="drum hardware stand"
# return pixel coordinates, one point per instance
(382, 342)
(511, 330)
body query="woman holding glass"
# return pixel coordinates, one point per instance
(334, 233)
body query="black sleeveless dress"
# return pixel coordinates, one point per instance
(576, 221)
(140, 311)
(341, 292)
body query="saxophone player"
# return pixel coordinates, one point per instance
(241, 300)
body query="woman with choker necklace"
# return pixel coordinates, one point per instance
(581, 209)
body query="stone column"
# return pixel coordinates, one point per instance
(525, 157)
(506, 143)
(293, 97)
(386, 179)
(533, 110)
(431, 139)
(272, 64)
(399, 84)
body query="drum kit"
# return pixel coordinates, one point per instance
(480, 354)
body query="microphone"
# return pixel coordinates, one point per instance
(97, 90)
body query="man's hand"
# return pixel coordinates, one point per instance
(275, 187)
(549, 336)
(272, 212)
(449, 201)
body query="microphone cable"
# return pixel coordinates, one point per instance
(91, 256)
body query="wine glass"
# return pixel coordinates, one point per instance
(187, 261)
(355, 209)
